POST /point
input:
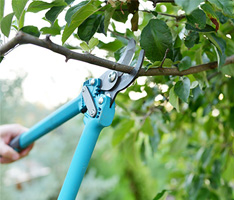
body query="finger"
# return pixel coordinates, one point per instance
(17, 129)
(7, 152)
(6, 160)
(26, 151)
(12, 129)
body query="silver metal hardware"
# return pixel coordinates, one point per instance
(100, 100)
(112, 76)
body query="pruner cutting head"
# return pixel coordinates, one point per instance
(113, 82)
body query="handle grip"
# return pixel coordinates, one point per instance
(84, 150)
(55, 119)
(15, 143)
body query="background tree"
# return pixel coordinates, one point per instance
(186, 152)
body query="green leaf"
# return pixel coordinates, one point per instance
(6, 24)
(228, 173)
(167, 63)
(160, 195)
(174, 99)
(209, 10)
(32, 30)
(118, 15)
(21, 20)
(84, 46)
(222, 18)
(121, 130)
(182, 89)
(1, 58)
(191, 39)
(154, 140)
(111, 46)
(185, 63)
(179, 144)
(143, 151)
(89, 27)
(178, 42)
(194, 84)
(18, 7)
(55, 29)
(2, 3)
(80, 15)
(155, 39)
(197, 19)
(220, 45)
(154, 13)
(54, 12)
(195, 186)
(93, 43)
(228, 70)
(71, 11)
(207, 29)
(231, 117)
(147, 127)
(37, 6)
(188, 5)
(225, 5)
(108, 15)
(202, 79)
(206, 156)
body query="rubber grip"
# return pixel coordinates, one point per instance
(15, 143)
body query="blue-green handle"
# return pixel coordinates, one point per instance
(84, 150)
(46, 125)
(80, 161)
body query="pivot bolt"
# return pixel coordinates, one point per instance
(92, 112)
(100, 100)
(112, 76)
(92, 81)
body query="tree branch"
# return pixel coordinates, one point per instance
(23, 38)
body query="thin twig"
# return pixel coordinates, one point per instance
(117, 34)
(178, 18)
(165, 55)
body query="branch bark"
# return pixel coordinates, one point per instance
(23, 38)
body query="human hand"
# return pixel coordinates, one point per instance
(7, 133)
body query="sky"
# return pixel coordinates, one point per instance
(50, 80)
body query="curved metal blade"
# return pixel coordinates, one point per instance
(125, 59)
(126, 79)
(127, 56)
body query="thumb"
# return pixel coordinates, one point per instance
(7, 152)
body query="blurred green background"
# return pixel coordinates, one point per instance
(148, 149)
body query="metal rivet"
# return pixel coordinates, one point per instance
(112, 76)
(100, 100)
(92, 112)
(108, 94)
(83, 89)
(92, 81)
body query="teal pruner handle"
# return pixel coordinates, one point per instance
(55, 119)
(84, 150)
(80, 160)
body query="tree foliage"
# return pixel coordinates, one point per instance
(174, 133)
